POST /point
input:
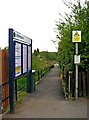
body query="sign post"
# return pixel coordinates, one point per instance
(20, 61)
(76, 85)
(76, 37)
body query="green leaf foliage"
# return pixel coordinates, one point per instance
(78, 19)
(43, 59)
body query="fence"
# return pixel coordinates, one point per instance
(22, 87)
(4, 78)
(83, 84)
(0, 84)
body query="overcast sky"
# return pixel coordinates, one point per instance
(33, 18)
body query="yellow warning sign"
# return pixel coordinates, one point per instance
(18, 69)
(76, 36)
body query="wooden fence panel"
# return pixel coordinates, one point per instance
(72, 84)
(0, 67)
(84, 83)
(4, 66)
(5, 83)
(0, 83)
(80, 84)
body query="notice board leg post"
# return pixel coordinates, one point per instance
(31, 82)
(31, 79)
(16, 89)
(11, 69)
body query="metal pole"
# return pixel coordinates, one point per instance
(76, 84)
(16, 89)
(76, 45)
(31, 80)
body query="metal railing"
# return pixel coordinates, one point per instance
(20, 86)
(21, 83)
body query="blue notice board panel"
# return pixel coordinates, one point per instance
(22, 54)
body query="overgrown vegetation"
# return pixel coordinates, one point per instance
(43, 59)
(78, 19)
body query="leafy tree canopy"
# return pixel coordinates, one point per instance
(78, 19)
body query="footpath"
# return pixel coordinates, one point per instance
(48, 101)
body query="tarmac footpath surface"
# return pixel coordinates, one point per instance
(48, 101)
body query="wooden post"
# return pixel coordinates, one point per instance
(88, 84)
(41, 74)
(38, 76)
(70, 83)
(79, 84)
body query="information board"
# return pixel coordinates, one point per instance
(20, 61)
(22, 53)
(24, 58)
(29, 58)
(17, 59)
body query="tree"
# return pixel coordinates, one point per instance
(78, 19)
(36, 52)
